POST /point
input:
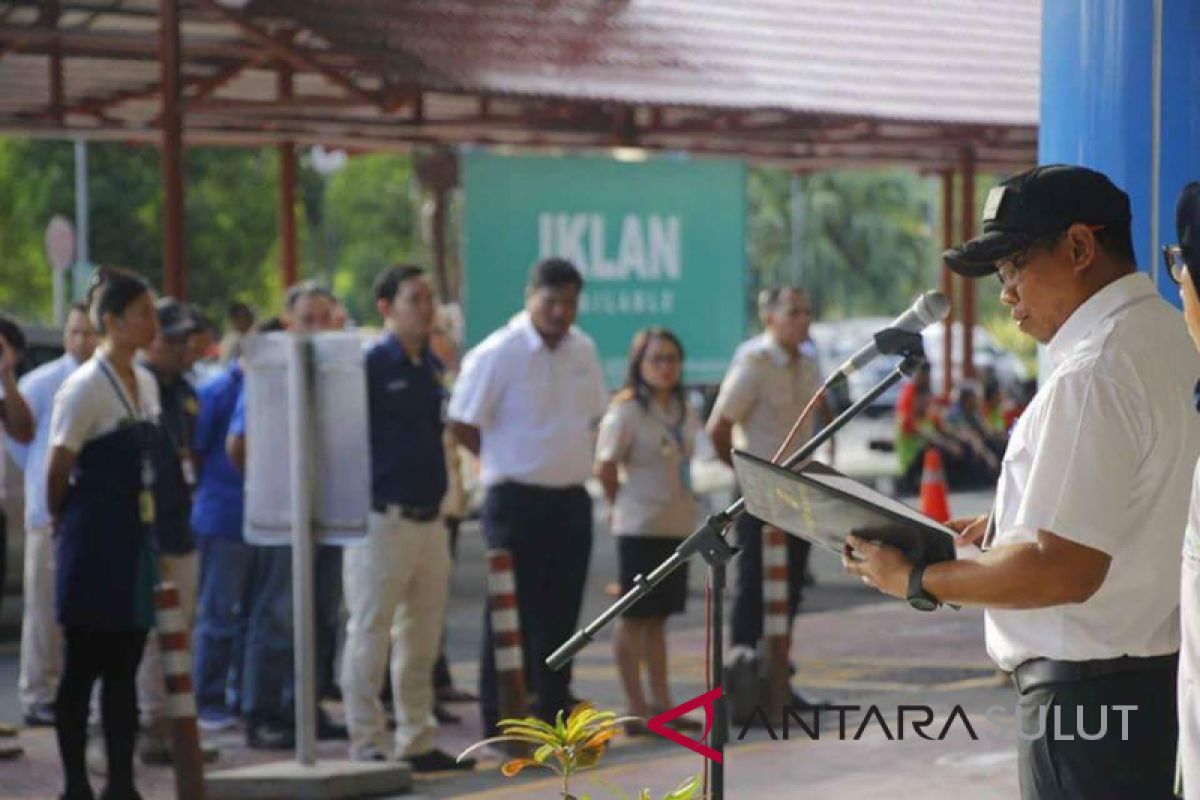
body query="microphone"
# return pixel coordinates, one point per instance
(927, 309)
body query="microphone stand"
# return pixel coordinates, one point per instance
(708, 541)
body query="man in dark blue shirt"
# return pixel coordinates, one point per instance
(398, 577)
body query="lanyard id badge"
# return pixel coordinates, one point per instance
(146, 495)
(146, 505)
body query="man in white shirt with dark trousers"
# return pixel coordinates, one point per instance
(1081, 578)
(527, 403)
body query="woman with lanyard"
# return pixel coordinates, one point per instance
(100, 480)
(644, 455)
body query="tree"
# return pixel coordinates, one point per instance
(859, 242)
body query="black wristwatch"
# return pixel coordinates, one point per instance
(918, 598)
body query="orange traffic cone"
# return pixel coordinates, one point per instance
(935, 503)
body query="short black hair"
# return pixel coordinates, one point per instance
(306, 289)
(12, 333)
(554, 273)
(270, 325)
(236, 308)
(389, 281)
(1117, 241)
(112, 291)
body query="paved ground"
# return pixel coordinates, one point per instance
(850, 645)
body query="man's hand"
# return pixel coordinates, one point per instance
(880, 566)
(970, 530)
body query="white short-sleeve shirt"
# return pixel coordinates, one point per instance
(1103, 456)
(39, 388)
(536, 408)
(1189, 650)
(87, 406)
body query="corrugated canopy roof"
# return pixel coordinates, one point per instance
(812, 83)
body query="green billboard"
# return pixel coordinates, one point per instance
(659, 242)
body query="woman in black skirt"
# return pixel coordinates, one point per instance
(100, 482)
(644, 458)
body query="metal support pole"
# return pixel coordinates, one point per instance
(720, 729)
(967, 162)
(300, 370)
(289, 270)
(947, 177)
(171, 155)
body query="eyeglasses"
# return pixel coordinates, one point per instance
(1173, 258)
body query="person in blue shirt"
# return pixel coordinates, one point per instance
(268, 697)
(41, 639)
(397, 579)
(225, 558)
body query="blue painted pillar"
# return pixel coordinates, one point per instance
(1121, 94)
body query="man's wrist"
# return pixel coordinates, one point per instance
(917, 595)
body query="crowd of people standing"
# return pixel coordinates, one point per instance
(528, 406)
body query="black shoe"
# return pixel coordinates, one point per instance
(123, 794)
(802, 703)
(452, 694)
(438, 761)
(40, 716)
(445, 716)
(268, 736)
(328, 730)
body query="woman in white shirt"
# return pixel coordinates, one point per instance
(1183, 264)
(643, 458)
(100, 489)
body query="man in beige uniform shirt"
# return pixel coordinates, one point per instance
(768, 385)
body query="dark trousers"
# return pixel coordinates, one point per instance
(328, 611)
(549, 533)
(3, 550)
(1061, 765)
(269, 680)
(113, 658)
(748, 585)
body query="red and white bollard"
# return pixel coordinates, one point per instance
(776, 631)
(506, 634)
(174, 644)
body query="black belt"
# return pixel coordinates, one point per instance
(414, 513)
(1041, 671)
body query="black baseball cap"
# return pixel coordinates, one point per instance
(1041, 202)
(175, 319)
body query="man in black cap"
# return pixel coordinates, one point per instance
(1092, 500)
(175, 477)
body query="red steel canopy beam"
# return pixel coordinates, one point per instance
(171, 154)
(52, 16)
(967, 165)
(289, 271)
(299, 58)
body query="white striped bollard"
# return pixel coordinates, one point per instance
(506, 635)
(174, 645)
(776, 631)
